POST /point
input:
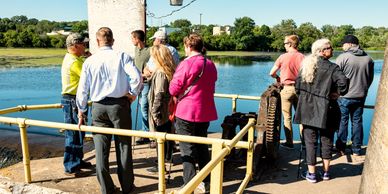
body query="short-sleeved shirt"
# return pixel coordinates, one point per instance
(71, 72)
(289, 64)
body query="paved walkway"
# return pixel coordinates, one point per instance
(279, 177)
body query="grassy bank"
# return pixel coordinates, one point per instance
(20, 57)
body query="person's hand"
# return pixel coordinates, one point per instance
(81, 119)
(87, 54)
(147, 72)
(131, 98)
(334, 96)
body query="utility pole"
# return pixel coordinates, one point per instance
(200, 19)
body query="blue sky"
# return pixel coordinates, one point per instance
(223, 12)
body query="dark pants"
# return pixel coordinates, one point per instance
(168, 145)
(192, 153)
(310, 135)
(73, 154)
(352, 107)
(113, 113)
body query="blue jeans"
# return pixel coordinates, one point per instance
(352, 107)
(144, 106)
(73, 139)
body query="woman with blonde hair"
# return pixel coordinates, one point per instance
(159, 96)
(318, 85)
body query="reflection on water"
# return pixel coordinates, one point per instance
(236, 75)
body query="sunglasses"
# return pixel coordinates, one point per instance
(287, 43)
(327, 48)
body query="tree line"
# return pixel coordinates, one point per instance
(20, 31)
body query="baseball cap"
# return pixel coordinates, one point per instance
(350, 39)
(159, 35)
(75, 38)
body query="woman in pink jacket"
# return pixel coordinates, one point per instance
(193, 84)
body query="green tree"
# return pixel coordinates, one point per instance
(263, 37)
(58, 41)
(365, 34)
(329, 31)
(181, 23)
(307, 33)
(10, 38)
(80, 26)
(343, 30)
(242, 33)
(279, 31)
(175, 39)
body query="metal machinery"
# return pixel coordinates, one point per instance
(268, 123)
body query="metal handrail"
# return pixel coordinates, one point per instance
(220, 147)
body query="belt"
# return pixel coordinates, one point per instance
(112, 100)
(288, 84)
(68, 95)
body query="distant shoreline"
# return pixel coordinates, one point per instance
(41, 57)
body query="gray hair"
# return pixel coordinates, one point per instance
(309, 64)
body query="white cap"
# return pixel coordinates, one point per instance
(159, 35)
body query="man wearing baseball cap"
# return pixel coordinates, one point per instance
(358, 68)
(70, 72)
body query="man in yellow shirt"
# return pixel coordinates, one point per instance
(71, 71)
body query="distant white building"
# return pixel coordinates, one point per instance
(218, 30)
(169, 30)
(65, 32)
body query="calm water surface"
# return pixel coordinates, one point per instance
(236, 75)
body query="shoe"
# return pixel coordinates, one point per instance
(310, 177)
(76, 173)
(153, 144)
(287, 146)
(326, 176)
(203, 188)
(85, 165)
(153, 170)
(142, 141)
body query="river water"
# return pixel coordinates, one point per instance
(236, 75)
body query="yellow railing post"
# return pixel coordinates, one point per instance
(251, 137)
(161, 170)
(248, 175)
(217, 173)
(26, 153)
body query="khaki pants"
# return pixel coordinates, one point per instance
(289, 98)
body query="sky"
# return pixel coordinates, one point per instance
(221, 12)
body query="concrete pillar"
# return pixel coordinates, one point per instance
(375, 173)
(122, 16)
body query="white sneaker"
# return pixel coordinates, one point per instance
(201, 188)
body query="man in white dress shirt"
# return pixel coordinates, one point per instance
(112, 81)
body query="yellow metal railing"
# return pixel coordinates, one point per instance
(220, 147)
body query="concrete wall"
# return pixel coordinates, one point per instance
(122, 16)
(375, 173)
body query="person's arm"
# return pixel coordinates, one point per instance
(135, 78)
(177, 84)
(340, 81)
(371, 72)
(160, 84)
(275, 68)
(82, 94)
